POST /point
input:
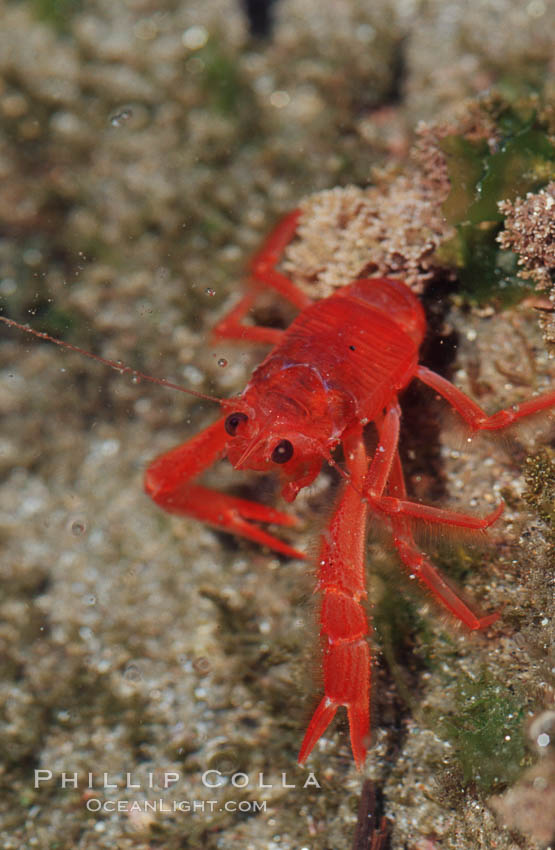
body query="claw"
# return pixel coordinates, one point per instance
(238, 525)
(168, 481)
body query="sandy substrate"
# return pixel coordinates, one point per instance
(144, 153)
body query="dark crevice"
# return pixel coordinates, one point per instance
(394, 94)
(372, 829)
(259, 14)
(420, 443)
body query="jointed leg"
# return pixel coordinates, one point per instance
(473, 414)
(395, 506)
(263, 270)
(231, 326)
(169, 482)
(263, 263)
(401, 507)
(418, 564)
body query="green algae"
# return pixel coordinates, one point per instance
(481, 175)
(227, 91)
(56, 12)
(396, 622)
(486, 732)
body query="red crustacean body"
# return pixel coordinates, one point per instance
(340, 364)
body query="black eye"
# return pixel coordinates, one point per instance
(282, 452)
(233, 421)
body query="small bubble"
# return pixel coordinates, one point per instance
(90, 600)
(132, 673)
(7, 286)
(202, 666)
(279, 99)
(222, 362)
(536, 8)
(119, 118)
(109, 448)
(136, 379)
(78, 527)
(195, 37)
(224, 761)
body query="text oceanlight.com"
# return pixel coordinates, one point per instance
(95, 804)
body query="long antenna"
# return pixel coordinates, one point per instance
(118, 367)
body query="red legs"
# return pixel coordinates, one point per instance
(378, 475)
(231, 327)
(473, 414)
(419, 565)
(169, 482)
(264, 261)
(263, 271)
(169, 479)
(346, 655)
(399, 507)
(399, 510)
(344, 626)
(388, 469)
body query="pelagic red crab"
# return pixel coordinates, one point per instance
(339, 366)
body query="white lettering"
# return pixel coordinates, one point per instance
(129, 784)
(284, 782)
(261, 783)
(217, 784)
(42, 776)
(170, 779)
(311, 780)
(70, 780)
(106, 784)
